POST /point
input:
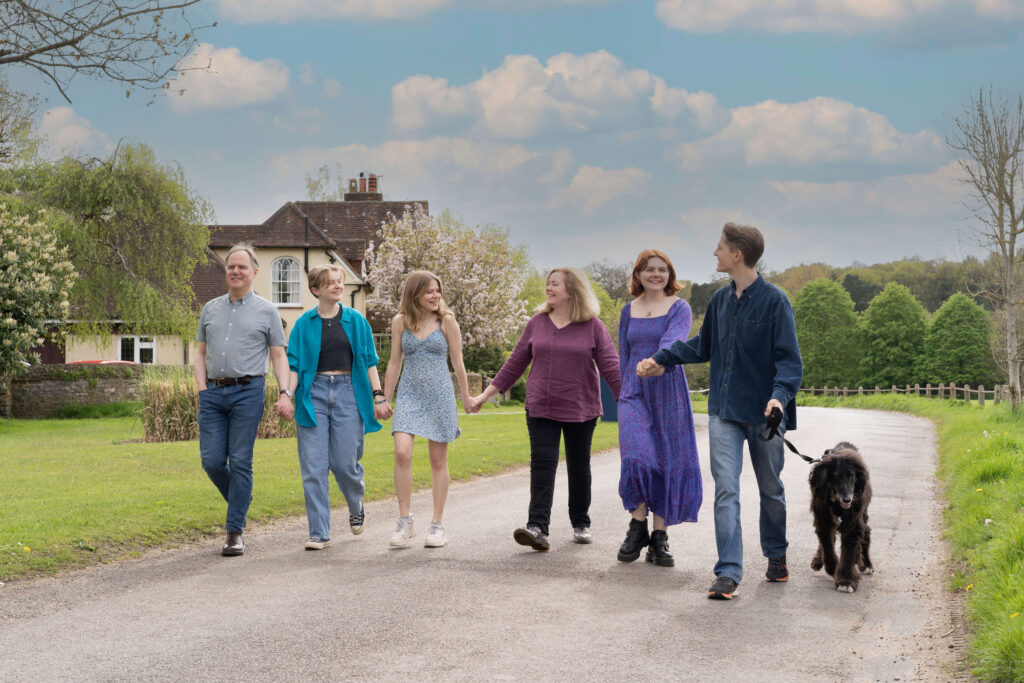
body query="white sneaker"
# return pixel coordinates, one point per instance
(435, 536)
(404, 530)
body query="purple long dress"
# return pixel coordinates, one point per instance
(660, 466)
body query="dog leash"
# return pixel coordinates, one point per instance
(772, 427)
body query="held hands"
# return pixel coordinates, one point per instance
(382, 411)
(472, 405)
(774, 403)
(284, 407)
(649, 368)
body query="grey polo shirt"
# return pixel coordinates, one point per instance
(237, 335)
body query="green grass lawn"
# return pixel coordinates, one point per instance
(80, 491)
(981, 463)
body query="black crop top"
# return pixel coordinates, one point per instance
(335, 349)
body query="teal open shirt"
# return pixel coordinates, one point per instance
(304, 355)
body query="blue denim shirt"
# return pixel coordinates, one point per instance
(751, 343)
(304, 355)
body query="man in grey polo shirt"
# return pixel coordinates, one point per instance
(235, 332)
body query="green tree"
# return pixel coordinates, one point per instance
(17, 111)
(957, 345)
(134, 230)
(893, 333)
(827, 329)
(862, 289)
(35, 280)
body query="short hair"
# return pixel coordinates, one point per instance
(415, 283)
(247, 248)
(747, 239)
(583, 304)
(320, 276)
(636, 288)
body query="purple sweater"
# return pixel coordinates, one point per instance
(563, 382)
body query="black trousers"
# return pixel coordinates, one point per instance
(545, 435)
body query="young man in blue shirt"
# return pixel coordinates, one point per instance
(749, 336)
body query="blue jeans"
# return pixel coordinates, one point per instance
(767, 458)
(334, 444)
(229, 418)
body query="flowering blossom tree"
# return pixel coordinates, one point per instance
(35, 280)
(480, 271)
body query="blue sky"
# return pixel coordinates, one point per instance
(589, 129)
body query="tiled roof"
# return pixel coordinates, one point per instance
(347, 227)
(208, 279)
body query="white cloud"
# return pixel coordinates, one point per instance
(68, 133)
(438, 163)
(828, 16)
(593, 187)
(231, 80)
(332, 89)
(817, 131)
(301, 120)
(916, 196)
(287, 11)
(523, 97)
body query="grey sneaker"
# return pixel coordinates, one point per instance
(581, 534)
(532, 536)
(317, 543)
(777, 571)
(404, 531)
(435, 536)
(723, 588)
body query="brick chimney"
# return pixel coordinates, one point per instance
(368, 189)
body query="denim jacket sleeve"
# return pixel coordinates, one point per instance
(695, 350)
(789, 367)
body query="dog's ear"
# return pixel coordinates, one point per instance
(819, 476)
(862, 478)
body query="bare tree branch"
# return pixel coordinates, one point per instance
(126, 41)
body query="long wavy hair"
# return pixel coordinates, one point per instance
(583, 303)
(415, 284)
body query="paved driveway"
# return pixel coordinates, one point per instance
(486, 608)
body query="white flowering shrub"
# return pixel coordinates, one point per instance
(35, 281)
(481, 273)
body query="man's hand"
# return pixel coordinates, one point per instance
(284, 407)
(774, 403)
(648, 367)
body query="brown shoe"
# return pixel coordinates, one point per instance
(233, 544)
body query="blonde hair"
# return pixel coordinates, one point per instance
(583, 304)
(416, 282)
(320, 276)
(247, 248)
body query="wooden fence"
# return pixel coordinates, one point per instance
(998, 393)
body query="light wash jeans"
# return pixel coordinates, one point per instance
(767, 457)
(229, 418)
(335, 444)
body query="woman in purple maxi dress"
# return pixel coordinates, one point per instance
(660, 467)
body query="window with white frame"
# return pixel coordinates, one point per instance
(284, 282)
(138, 350)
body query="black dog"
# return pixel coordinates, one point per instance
(840, 494)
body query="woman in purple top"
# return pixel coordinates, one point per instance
(567, 346)
(660, 469)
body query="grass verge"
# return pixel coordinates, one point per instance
(981, 463)
(76, 492)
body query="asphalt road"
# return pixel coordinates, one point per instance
(486, 608)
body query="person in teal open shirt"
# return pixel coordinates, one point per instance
(338, 399)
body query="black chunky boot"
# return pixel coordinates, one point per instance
(636, 538)
(657, 551)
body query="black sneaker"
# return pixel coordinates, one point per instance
(355, 522)
(722, 589)
(532, 536)
(777, 571)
